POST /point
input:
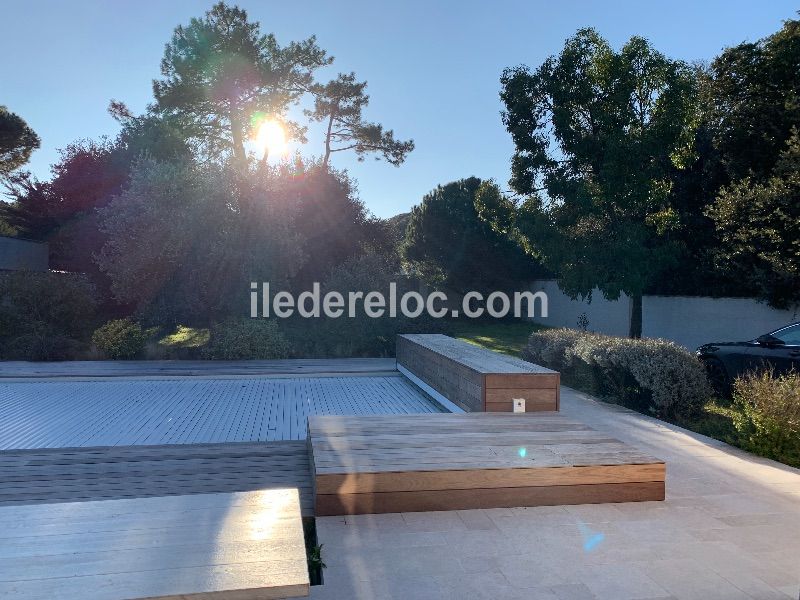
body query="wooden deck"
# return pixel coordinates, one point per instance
(81, 474)
(192, 368)
(191, 410)
(476, 379)
(408, 463)
(213, 546)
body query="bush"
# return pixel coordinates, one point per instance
(246, 338)
(648, 375)
(44, 316)
(768, 416)
(121, 339)
(360, 335)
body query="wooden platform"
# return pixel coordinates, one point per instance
(209, 547)
(403, 463)
(80, 474)
(476, 379)
(313, 367)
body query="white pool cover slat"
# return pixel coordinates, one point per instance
(120, 412)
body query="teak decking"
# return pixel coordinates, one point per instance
(404, 463)
(211, 546)
(82, 474)
(475, 379)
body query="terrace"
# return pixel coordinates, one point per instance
(171, 479)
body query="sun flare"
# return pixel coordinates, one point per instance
(271, 138)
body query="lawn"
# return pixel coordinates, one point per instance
(508, 337)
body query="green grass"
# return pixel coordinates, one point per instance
(715, 421)
(186, 337)
(508, 337)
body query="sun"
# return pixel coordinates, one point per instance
(270, 138)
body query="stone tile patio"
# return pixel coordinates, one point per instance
(729, 529)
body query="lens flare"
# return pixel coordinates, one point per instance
(271, 138)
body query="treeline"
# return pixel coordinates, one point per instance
(170, 221)
(635, 173)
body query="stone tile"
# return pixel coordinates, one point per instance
(390, 521)
(434, 521)
(479, 564)
(791, 591)
(621, 582)
(573, 591)
(521, 572)
(687, 580)
(476, 520)
(483, 586)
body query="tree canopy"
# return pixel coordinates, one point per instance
(17, 141)
(448, 244)
(339, 104)
(599, 136)
(220, 73)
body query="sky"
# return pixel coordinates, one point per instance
(432, 68)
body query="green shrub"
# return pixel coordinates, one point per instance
(44, 316)
(649, 375)
(360, 335)
(120, 339)
(247, 338)
(768, 416)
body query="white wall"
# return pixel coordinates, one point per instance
(23, 255)
(689, 321)
(605, 316)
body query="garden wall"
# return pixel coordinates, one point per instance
(23, 255)
(689, 321)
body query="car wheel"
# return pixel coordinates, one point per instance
(718, 377)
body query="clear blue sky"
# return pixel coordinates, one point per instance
(432, 67)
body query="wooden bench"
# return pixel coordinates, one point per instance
(474, 379)
(408, 463)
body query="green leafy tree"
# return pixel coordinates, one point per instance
(17, 141)
(220, 73)
(447, 243)
(339, 104)
(599, 136)
(759, 226)
(751, 97)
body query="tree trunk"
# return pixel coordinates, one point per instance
(238, 141)
(328, 142)
(636, 316)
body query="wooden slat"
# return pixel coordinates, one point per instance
(522, 380)
(194, 368)
(38, 476)
(547, 396)
(357, 483)
(389, 502)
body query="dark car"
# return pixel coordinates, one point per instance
(778, 350)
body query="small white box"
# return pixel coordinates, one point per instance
(519, 405)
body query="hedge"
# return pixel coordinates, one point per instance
(649, 375)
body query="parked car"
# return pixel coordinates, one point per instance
(778, 350)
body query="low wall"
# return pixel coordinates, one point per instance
(23, 255)
(688, 321)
